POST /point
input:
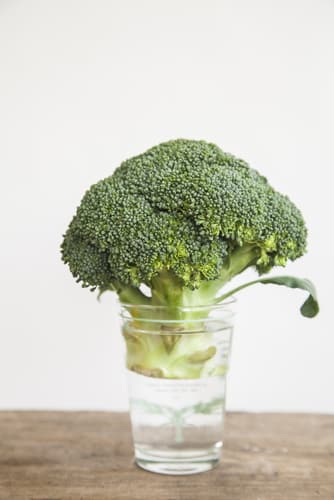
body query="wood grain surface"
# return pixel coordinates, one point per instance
(88, 455)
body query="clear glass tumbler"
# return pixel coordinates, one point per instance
(177, 360)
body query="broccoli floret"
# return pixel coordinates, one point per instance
(183, 218)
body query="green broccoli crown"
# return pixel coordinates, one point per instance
(183, 206)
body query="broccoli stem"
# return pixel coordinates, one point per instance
(168, 289)
(129, 294)
(241, 258)
(168, 351)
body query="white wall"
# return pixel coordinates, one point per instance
(85, 84)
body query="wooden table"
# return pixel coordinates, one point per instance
(86, 455)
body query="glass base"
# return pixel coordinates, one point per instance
(184, 463)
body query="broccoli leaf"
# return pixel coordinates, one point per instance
(310, 307)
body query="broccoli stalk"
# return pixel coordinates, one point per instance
(167, 289)
(183, 218)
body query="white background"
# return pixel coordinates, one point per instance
(86, 84)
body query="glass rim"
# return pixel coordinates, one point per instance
(228, 302)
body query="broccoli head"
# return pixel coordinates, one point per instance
(182, 218)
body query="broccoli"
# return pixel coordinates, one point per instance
(183, 218)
